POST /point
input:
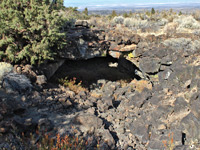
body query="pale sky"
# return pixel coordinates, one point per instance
(109, 3)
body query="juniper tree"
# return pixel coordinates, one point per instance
(153, 11)
(85, 12)
(56, 4)
(125, 15)
(130, 13)
(29, 31)
(114, 14)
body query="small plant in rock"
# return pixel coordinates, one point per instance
(169, 145)
(130, 55)
(60, 143)
(44, 141)
(72, 84)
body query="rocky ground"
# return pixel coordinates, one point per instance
(158, 109)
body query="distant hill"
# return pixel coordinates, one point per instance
(121, 9)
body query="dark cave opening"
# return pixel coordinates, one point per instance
(91, 70)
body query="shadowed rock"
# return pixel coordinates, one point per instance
(13, 82)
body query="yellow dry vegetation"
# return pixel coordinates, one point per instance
(140, 85)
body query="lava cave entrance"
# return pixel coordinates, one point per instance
(91, 70)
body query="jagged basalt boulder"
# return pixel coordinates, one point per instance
(190, 127)
(83, 44)
(82, 23)
(149, 65)
(10, 105)
(13, 82)
(89, 123)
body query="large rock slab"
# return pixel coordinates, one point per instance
(149, 65)
(190, 127)
(13, 82)
(88, 123)
(84, 43)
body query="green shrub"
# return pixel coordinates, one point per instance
(135, 23)
(187, 22)
(148, 13)
(183, 43)
(118, 20)
(125, 15)
(153, 11)
(130, 14)
(113, 14)
(85, 12)
(30, 31)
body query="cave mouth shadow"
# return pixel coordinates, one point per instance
(94, 69)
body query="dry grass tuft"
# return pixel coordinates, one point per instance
(141, 85)
(46, 142)
(72, 84)
(169, 145)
